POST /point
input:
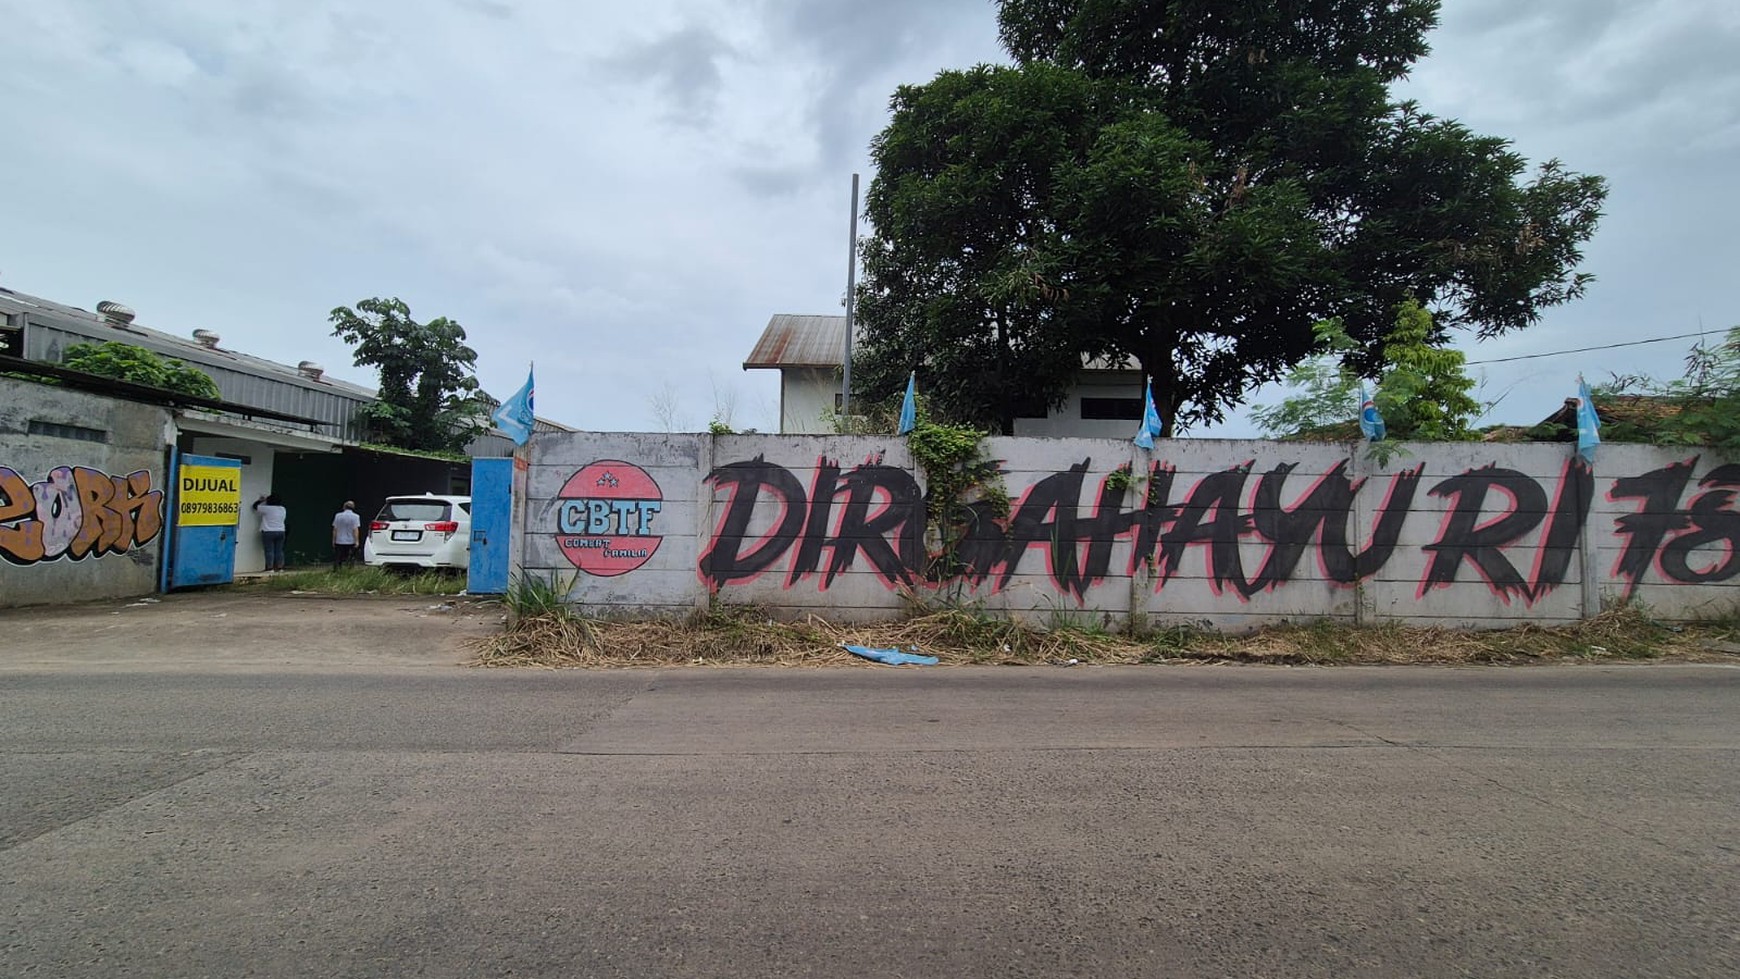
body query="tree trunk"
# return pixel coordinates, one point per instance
(1005, 406)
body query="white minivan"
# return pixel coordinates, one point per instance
(425, 531)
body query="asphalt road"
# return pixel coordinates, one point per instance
(1166, 822)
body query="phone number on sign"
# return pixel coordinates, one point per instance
(190, 506)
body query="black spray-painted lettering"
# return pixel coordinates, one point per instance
(1472, 533)
(1501, 524)
(1709, 520)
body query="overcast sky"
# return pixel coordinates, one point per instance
(626, 192)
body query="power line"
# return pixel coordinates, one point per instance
(1584, 350)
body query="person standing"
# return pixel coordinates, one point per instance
(272, 514)
(346, 535)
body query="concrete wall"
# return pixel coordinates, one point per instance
(80, 517)
(807, 399)
(1231, 534)
(808, 394)
(1067, 421)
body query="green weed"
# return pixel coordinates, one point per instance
(535, 596)
(361, 581)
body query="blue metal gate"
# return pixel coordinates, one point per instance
(207, 509)
(491, 525)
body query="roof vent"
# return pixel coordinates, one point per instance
(310, 370)
(207, 338)
(115, 313)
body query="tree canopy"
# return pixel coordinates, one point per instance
(1423, 392)
(1192, 185)
(126, 362)
(428, 394)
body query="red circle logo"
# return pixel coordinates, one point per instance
(607, 517)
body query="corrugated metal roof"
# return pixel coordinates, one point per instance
(80, 321)
(791, 340)
(243, 378)
(143, 392)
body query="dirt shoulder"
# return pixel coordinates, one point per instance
(229, 630)
(744, 636)
(252, 629)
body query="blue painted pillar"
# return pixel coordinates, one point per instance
(491, 525)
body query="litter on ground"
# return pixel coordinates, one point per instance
(891, 657)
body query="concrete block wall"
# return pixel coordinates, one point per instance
(572, 472)
(81, 495)
(1229, 534)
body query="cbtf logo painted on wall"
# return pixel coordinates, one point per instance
(607, 518)
(76, 512)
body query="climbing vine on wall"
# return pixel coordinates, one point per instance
(1122, 478)
(957, 473)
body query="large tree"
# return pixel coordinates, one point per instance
(428, 398)
(1192, 184)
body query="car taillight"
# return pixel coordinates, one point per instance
(443, 526)
(378, 525)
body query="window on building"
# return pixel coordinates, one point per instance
(1030, 405)
(1111, 409)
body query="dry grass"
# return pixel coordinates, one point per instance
(738, 636)
(1623, 633)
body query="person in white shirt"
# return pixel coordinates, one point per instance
(345, 527)
(272, 515)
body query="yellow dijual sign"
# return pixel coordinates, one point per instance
(209, 496)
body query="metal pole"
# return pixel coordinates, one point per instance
(851, 306)
(166, 538)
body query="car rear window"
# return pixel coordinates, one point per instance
(414, 510)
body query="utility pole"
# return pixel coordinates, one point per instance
(851, 304)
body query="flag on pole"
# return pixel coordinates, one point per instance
(1150, 419)
(1588, 423)
(515, 414)
(909, 407)
(1371, 424)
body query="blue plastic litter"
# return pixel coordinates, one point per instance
(892, 657)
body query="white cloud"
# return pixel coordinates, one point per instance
(626, 192)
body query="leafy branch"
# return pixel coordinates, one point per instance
(137, 365)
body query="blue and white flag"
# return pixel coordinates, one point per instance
(1371, 424)
(1588, 423)
(515, 414)
(1150, 420)
(909, 407)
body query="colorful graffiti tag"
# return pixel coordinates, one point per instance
(1494, 518)
(76, 512)
(605, 518)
